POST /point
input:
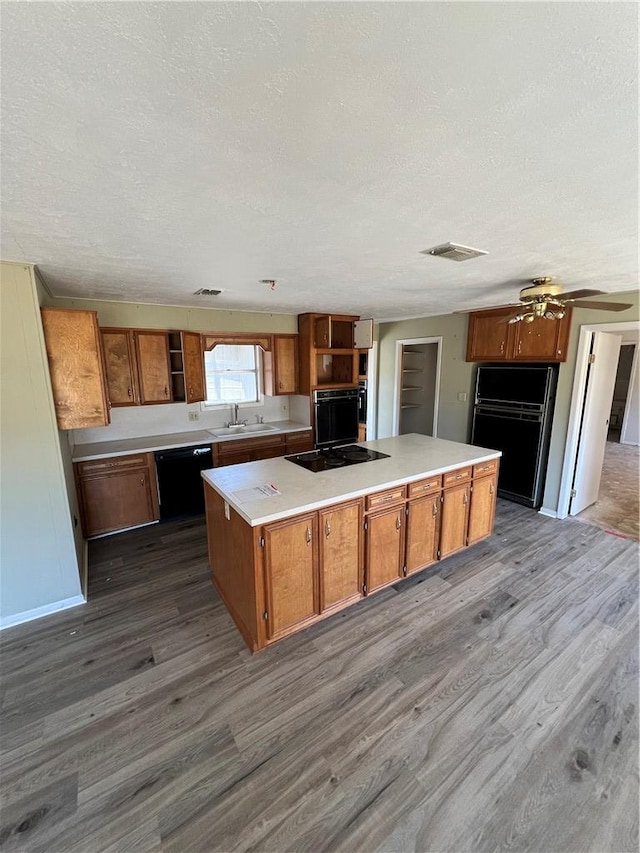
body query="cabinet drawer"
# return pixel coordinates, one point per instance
(113, 463)
(299, 442)
(425, 487)
(485, 468)
(453, 478)
(383, 499)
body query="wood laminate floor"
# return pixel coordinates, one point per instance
(492, 706)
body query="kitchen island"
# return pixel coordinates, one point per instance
(288, 546)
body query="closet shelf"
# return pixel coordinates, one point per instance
(411, 406)
(412, 387)
(411, 370)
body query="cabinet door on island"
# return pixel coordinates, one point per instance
(290, 571)
(423, 533)
(385, 547)
(455, 514)
(341, 554)
(482, 509)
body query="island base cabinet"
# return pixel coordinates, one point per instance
(385, 548)
(482, 509)
(341, 555)
(455, 515)
(291, 576)
(423, 533)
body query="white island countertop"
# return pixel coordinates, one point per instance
(171, 441)
(411, 457)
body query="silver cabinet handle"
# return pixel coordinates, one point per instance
(308, 537)
(129, 392)
(490, 488)
(142, 481)
(464, 498)
(398, 523)
(435, 509)
(327, 528)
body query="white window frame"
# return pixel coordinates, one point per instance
(212, 407)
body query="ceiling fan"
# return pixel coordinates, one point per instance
(546, 300)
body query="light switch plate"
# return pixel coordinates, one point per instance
(462, 396)
(193, 416)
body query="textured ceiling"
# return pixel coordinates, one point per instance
(151, 149)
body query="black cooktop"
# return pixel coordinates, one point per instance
(336, 457)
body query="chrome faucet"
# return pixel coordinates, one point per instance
(236, 421)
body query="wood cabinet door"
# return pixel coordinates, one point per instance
(193, 363)
(120, 366)
(341, 554)
(76, 367)
(488, 339)
(423, 533)
(291, 576)
(286, 364)
(117, 500)
(154, 367)
(385, 547)
(542, 340)
(299, 442)
(482, 508)
(455, 514)
(322, 332)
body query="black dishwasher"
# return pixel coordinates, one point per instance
(179, 482)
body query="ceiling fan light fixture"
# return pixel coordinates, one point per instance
(454, 252)
(205, 291)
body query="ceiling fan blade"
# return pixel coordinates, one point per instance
(601, 306)
(579, 294)
(486, 308)
(512, 318)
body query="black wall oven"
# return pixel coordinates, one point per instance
(336, 416)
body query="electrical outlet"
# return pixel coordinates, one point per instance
(194, 416)
(462, 396)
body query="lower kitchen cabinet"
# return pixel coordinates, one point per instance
(482, 508)
(299, 442)
(117, 492)
(423, 533)
(290, 574)
(455, 516)
(282, 577)
(385, 547)
(341, 555)
(248, 450)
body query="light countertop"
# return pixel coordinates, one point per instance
(411, 457)
(192, 438)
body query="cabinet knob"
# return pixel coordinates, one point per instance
(308, 537)
(327, 528)
(490, 488)
(166, 391)
(501, 347)
(129, 392)
(142, 481)
(435, 509)
(464, 498)
(398, 523)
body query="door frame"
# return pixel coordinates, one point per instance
(372, 392)
(632, 379)
(398, 380)
(577, 402)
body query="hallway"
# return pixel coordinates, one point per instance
(617, 509)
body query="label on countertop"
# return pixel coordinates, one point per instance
(268, 490)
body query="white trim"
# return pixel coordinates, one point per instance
(124, 529)
(550, 513)
(372, 392)
(632, 379)
(85, 569)
(575, 412)
(38, 612)
(398, 383)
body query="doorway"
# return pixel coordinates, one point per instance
(417, 389)
(596, 365)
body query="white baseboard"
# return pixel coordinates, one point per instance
(37, 612)
(550, 513)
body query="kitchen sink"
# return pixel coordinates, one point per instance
(245, 429)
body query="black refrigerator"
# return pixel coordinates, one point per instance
(513, 412)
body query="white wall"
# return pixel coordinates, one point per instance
(39, 569)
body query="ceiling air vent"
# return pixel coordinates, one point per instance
(205, 291)
(454, 252)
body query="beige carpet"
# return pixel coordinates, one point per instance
(618, 507)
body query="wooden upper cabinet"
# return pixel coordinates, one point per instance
(154, 368)
(76, 367)
(491, 338)
(542, 340)
(120, 366)
(290, 572)
(193, 362)
(341, 554)
(281, 366)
